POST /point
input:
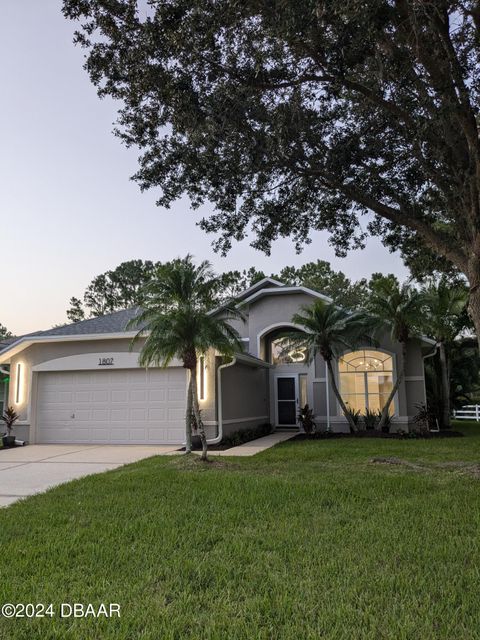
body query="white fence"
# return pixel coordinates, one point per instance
(468, 412)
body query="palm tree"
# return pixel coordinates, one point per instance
(397, 307)
(330, 331)
(444, 316)
(176, 320)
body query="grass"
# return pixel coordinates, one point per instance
(308, 540)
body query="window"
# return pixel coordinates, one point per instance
(302, 389)
(366, 379)
(282, 351)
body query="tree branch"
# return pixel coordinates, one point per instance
(400, 216)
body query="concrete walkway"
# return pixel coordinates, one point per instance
(37, 467)
(255, 446)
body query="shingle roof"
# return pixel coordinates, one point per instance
(6, 341)
(111, 323)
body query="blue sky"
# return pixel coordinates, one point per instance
(68, 208)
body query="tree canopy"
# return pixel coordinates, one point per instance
(4, 332)
(113, 290)
(296, 116)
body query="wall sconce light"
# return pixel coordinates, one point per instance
(18, 384)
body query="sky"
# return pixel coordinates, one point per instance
(68, 209)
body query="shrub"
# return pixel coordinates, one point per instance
(425, 419)
(387, 423)
(305, 418)
(354, 415)
(370, 419)
(10, 416)
(239, 437)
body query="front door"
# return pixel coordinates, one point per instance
(286, 391)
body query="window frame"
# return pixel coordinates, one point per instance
(300, 363)
(365, 374)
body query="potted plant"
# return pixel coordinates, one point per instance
(10, 416)
(305, 419)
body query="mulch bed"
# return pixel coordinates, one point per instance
(324, 435)
(211, 447)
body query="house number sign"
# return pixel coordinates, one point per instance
(105, 362)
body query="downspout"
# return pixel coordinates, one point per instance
(219, 436)
(327, 395)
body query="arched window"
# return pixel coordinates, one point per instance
(366, 379)
(283, 351)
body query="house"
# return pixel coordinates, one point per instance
(81, 383)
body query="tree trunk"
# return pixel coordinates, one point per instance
(445, 385)
(333, 382)
(188, 418)
(474, 303)
(400, 376)
(196, 411)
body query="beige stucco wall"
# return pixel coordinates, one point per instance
(245, 397)
(272, 310)
(247, 392)
(37, 354)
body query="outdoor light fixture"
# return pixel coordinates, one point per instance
(18, 384)
(202, 379)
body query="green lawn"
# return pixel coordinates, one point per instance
(308, 540)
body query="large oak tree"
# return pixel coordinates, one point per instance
(296, 116)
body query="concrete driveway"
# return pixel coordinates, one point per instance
(37, 467)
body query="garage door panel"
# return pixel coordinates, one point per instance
(157, 414)
(137, 395)
(177, 395)
(100, 395)
(112, 406)
(82, 396)
(156, 395)
(120, 415)
(82, 415)
(175, 414)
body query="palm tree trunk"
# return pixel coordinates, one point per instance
(196, 411)
(333, 382)
(188, 418)
(445, 385)
(400, 376)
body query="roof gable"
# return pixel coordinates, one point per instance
(284, 290)
(261, 284)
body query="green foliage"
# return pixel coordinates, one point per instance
(387, 421)
(232, 283)
(444, 309)
(397, 306)
(330, 330)
(354, 414)
(464, 376)
(4, 332)
(175, 318)
(113, 290)
(9, 417)
(305, 418)
(225, 551)
(320, 277)
(293, 117)
(370, 419)
(237, 438)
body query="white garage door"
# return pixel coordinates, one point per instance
(130, 406)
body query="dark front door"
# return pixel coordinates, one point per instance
(287, 401)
